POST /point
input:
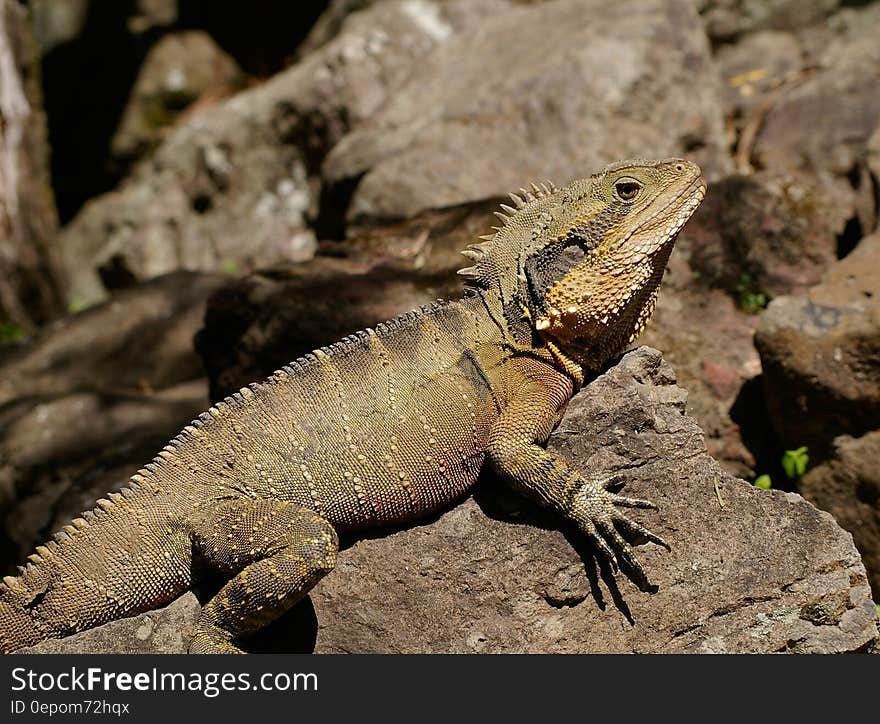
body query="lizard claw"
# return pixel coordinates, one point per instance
(600, 545)
(599, 519)
(639, 529)
(631, 502)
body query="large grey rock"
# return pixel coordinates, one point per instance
(749, 571)
(553, 90)
(754, 67)
(220, 193)
(436, 13)
(778, 230)
(820, 353)
(167, 630)
(329, 23)
(230, 188)
(821, 124)
(800, 104)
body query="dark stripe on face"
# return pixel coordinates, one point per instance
(547, 266)
(517, 324)
(592, 234)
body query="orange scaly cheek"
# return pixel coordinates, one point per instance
(571, 305)
(569, 299)
(564, 324)
(585, 300)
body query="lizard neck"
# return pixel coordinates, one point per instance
(618, 330)
(517, 337)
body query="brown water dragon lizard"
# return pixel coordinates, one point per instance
(383, 427)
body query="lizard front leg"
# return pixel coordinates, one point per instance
(515, 453)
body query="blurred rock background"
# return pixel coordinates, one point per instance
(266, 177)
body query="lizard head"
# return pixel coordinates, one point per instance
(582, 265)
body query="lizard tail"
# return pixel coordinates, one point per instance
(115, 561)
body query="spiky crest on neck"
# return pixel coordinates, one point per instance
(497, 257)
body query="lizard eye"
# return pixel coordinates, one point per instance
(627, 189)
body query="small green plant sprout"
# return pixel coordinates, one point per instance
(76, 306)
(764, 482)
(794, 462)
(749, 298)
(229, 267)
(10, 332)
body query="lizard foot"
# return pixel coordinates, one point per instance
(597, 514)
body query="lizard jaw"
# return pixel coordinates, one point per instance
(628, 279)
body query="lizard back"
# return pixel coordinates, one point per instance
(382, 427)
